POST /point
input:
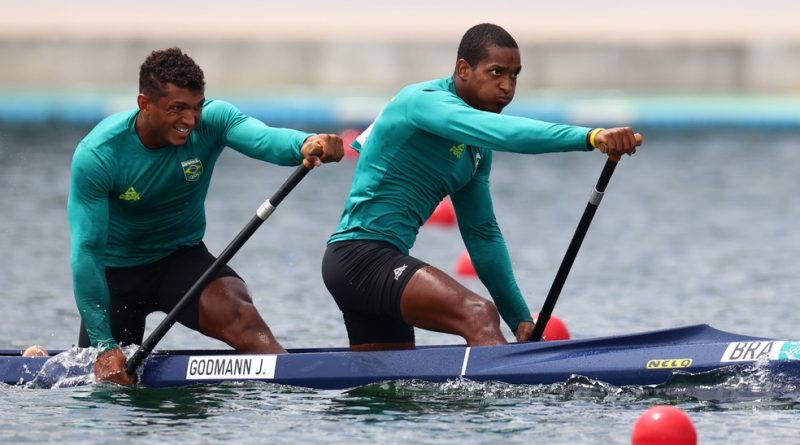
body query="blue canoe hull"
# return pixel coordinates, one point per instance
(639, 359)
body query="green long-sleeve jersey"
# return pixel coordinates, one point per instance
(428, 143)
(129, 205)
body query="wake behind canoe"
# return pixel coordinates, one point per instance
(647, 358)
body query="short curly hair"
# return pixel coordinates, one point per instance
(476, 41)
(169, 66)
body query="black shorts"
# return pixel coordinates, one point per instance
(367, 279)
(139, 291)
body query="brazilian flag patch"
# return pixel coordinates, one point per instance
(192, 169)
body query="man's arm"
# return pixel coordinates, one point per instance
(487, 249)
(446, 115)
(281, 146)
(87, 210)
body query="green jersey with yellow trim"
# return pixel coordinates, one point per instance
(129, 205)
(427, 143)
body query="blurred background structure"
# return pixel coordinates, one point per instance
(334, 63)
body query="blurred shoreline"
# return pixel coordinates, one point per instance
(318, 113)
(336, 63)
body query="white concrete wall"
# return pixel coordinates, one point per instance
(346, 46)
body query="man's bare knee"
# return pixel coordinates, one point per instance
(484, 312)
(484, 321)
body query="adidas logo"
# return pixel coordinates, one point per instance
(458, 150)
(130, 195)
(399, 271)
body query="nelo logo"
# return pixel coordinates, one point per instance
(669, 363)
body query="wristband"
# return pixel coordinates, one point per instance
(592, 135)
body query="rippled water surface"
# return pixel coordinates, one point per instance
(698, 227)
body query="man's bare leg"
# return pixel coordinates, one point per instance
(227, 313)
(435, 301)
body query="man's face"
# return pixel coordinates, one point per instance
(491, 84)
(169, 119)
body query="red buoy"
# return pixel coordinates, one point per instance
(348, 136)
(664, 425)
(556, 329)
(464, 265)
(444, 214)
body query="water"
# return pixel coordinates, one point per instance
(698, 227)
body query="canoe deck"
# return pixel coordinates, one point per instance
(637, 359)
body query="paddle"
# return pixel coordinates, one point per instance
(263, 212)
(574, 246)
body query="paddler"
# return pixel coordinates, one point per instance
(435, 139)
(137, 217)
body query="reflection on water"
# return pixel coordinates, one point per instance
(405, 397)
(151, 406)
(185, 405)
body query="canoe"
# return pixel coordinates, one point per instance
(646, 358)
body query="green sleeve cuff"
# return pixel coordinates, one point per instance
(103, 346)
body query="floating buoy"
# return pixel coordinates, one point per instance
(556, 329)
(444, 214)
(664, 425)
(348, 136)
(464, 265)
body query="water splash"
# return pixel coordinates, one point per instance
(72, 367)
(761, 385)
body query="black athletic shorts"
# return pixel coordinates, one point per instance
(139, 291)
(367, 279)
